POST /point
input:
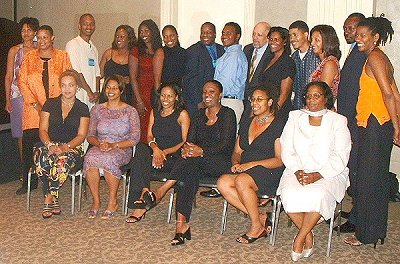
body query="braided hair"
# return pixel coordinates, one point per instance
(381, 26)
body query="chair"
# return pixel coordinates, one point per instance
(207, 182)
(275, 204)
(337, 215)
(73, 176)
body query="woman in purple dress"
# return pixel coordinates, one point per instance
(114, 129)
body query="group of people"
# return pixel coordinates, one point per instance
(260, 120)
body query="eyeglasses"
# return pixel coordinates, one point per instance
(315, 96)
(257, 99)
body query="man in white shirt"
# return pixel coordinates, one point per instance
(85, 60)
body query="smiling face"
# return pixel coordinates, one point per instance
(44, 39)
(317, 43)
(121, 38)
(315, 98)
(207, 34)
(27, 33)
(211, 95)
(145, 34)
(113, 91)
(276, 42)
(168, 97)
(68, 87)
(170, 37)
(299, 39)
(229, 36)
(260, 103)
(86, 26)
(365, 40)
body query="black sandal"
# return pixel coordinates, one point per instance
(47, 211)
(249, 239)
(179, 238)
(134, 219)
(56, 208)
(148, 201)
(268, 223)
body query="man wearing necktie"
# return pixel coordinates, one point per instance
(349, 87)
(200, 66)
(258, 56)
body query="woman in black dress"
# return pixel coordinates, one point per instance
(167, 132)
(281, 69)
(257, 164)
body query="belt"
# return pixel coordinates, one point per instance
(231, 97)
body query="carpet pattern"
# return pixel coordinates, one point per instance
(27, 238)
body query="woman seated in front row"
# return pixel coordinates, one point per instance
(114, 129)
(315, 150)
(167, 132)
(63, 126)
(257, 164)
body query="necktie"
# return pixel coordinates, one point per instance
(253, 65)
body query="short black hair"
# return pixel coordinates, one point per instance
(238, 29)
(209, 24)
(272, 92)
(326, 90)
(32, 22)
(216, 83)
(356, 15)
(301, 25)
(48, 28)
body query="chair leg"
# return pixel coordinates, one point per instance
(73, 194)
(80, 191)
(123, 193)
(328, 250)
(171, 204)
(276, 221)
(28, 193)
(224, 217)
(127, 195)
(273, 215)
(339, 217)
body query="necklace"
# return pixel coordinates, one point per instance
(68, 104)
(263, 120)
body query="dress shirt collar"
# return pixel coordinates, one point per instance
(234, 47)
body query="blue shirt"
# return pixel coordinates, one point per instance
(304, 68)
(231, 71)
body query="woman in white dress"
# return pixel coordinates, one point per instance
(315, 150)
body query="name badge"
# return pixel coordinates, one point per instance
(91, 62)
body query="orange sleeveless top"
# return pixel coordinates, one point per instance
(370, 101)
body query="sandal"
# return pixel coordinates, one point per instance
(133, 219)
(352, 240)
(47, 211)
(249, 240)
(107, 214)
(93, 214)
(179, 238)
(150, 200)
(56, 208)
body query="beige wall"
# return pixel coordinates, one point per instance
(63, 16)
(281, 13)
(7, 9)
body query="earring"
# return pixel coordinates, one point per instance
(374, 42)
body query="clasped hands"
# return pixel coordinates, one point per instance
(159, 156)
(107, 146)
(190, 150)
(238, 168)
(305, 178)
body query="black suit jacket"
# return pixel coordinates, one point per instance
(349, 85)
(199, 69)
(265, 59)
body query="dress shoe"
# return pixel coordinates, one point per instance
(346, 228)
(213, 193)
(24, 189)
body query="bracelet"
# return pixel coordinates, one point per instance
(49, 144)
(153, 141)
(202, 153)
(117, 146)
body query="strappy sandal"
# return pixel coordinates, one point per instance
(179, 238)
(249, 240)
(133, 219)
(56, 208)
(47, 211)
(93, 214)
(107, 214)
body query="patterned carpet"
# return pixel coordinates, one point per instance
(27, 238)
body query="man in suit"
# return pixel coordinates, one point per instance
(258, 56)
(349, 87)
(200, 66)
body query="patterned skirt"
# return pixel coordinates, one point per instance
(56, 169)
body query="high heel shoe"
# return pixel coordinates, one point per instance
(133, 219)
(248, 239)
(179, 238)
(295, 255)
(307, 252)
(382, 242)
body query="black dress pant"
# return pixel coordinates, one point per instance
(188, 172)
(29, 138)
(142, 170)
(371, 184)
